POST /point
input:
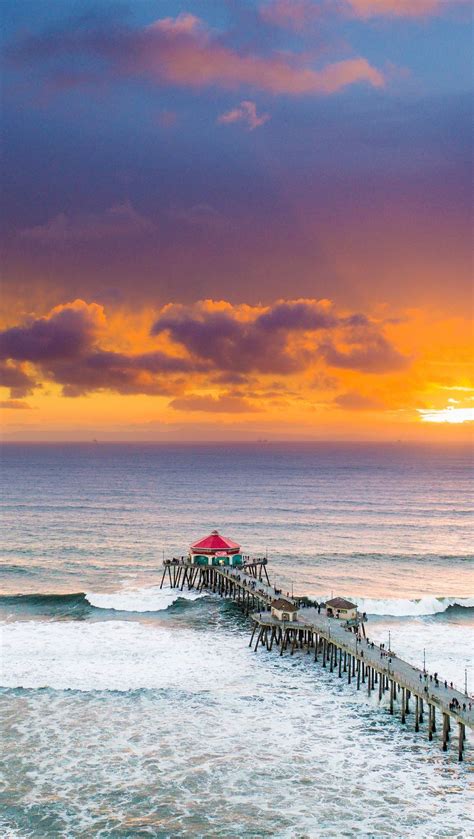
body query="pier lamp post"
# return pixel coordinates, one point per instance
(389, 641)
(424, 660)
(465, 681)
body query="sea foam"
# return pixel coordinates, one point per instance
(151, 599)
(412, 608)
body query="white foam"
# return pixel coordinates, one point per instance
(115, 655)
(151, 599)
(411, 608)
(446, 647)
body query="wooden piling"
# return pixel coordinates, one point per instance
(461, 736)
(445, 732)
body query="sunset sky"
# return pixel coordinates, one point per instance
(237, 219)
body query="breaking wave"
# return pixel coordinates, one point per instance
(413, 608)
(139, 600)
(154, 599)
(151, 599)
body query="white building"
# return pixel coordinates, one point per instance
(284, 610)
(338, 607)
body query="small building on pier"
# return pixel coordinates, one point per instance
(215, 550)
(339, 607)
(284, 610)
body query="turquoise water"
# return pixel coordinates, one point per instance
(130, 711)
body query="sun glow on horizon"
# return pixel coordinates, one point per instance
(450, 415)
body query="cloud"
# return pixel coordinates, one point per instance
(15, 404)
(246, 112)
(245, 340)
(149, 373)
(118, 221)
(292, 14)
(65, 333)
(223, 404)
(286, 337)
(400, 8)
(201, 215)
(208, 341)
(355, 401)
(299, 14)
(366, 349)
(15, 377)
(65, 348)
(183, 52)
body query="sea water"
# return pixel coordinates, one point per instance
(130, 710)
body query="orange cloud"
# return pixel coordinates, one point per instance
(224, 404)
(400, 8)
(15, 404)
(292, 368)
(355, 401)
(298, 14)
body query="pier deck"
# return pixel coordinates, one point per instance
(359, 659)
(384, 661)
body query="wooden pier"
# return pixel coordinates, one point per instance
(413, 694)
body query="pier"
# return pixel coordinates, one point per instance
(336, 644)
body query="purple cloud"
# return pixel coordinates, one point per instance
(17, 379)
(118, 221)
(245, 113)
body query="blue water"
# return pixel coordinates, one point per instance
(131, 712)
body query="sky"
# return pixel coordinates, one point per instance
(237, 220)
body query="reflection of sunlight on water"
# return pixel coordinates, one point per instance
(450, 414)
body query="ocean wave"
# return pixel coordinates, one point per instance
(42, 599)
(7, 568)
(151, 599)
(413, 608)
(154, 599)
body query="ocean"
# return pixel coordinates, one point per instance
(130, 711)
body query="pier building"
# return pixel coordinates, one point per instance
(338, 607)
(284, 610)
(215, 550)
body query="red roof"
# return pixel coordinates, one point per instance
(215, 542)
